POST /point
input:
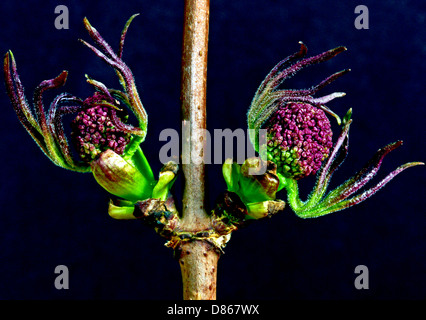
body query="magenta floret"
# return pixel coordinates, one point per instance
(94, 130)
(299, 138)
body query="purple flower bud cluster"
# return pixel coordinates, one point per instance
(93, 131)
(299, 138)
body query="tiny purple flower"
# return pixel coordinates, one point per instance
(299, 138)
(96, 128)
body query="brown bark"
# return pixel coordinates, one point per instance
(198, 264)
(197, 258)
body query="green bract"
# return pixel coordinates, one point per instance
(256, 184)
(130, 180)
(135, 183)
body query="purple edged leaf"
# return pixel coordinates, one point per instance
(99, 86)
(19, 96)
(271, 79)
(96, 36)
(269, 83)
(54, 152)
(20, 104)
(337, 156)
(363, 176)
(100, 54)
(56, 129)
(366, 194)
(38, 97)
(292, 70)
(126, 127)
(315, 89)
(123, 35)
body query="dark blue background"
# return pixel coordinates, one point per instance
(50, 216)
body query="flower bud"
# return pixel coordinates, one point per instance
(121, 178)
(255, 189)
(165, 181)
(120, 211)
(258, 210)
(95, 130)
(298, 139)
(260, 174)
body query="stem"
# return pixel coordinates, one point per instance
(193, 96)
(198, 264)
(197, 259)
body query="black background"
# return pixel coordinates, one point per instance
(51, 216)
